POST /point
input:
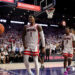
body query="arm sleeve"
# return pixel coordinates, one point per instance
(42, 38)
(73, 37)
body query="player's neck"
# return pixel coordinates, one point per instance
(32, 24)
(67, 33)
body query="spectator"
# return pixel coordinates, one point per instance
(12, 56)
(3, 58)
(53, 48)
(5, 52)
(47, 52)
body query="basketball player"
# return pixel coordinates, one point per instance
(31, 34)
(68, 43)
(72, 31)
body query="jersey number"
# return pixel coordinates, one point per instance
(30, 34)
(66, 41)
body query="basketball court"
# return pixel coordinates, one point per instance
(51, 68)
(39, 8)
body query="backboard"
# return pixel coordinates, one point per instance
(44, 5)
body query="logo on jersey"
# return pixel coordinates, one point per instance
(31, 30)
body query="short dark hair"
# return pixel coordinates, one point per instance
(32, 15)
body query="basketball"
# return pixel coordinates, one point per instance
(1, 28)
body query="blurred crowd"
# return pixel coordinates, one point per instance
(53, 37)
(11, 46)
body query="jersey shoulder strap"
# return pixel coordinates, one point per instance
(36, 26)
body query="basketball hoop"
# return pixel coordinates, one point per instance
(50, 13)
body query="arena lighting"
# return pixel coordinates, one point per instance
(9, 27)
(3, 20)
(39, 24)
(24, 13)
(18, 22)
(21, 16)
(10, 11)
(74, 17)
(54, 25)
(43, 25)
(14, 9)
(63, 16)
(8, 14)
(68, 19)
(63, 23)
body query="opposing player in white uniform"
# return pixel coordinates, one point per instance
(68, 43)
(31, 35)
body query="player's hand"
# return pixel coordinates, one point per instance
(43, 50)
(74, 52)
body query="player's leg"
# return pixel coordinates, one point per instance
(69, 61)
(39, 58)
(69, 64)
(42, 62)
(65, 54)
(65, 62)
(26, 62)
(65, 65)
(70, 56)
(36, 64)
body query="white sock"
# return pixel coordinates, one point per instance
(64, 69)
(68, 66)
(26, 62)
(42, 64)
(36, 64)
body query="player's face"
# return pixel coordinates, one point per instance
(67, 30)
(31, 19)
